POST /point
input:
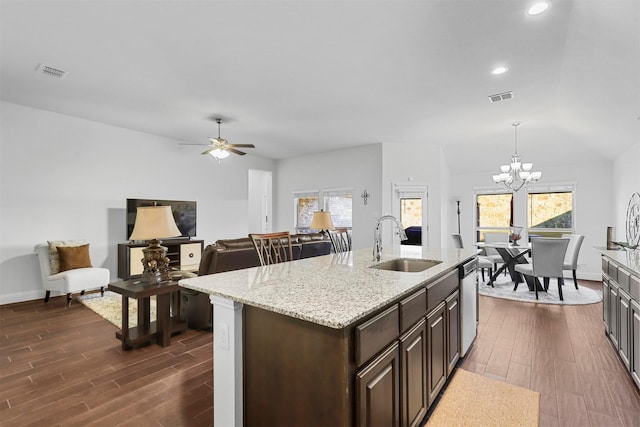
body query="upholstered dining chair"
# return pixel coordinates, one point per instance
(273, 248)
(571, 258)
(340, 239)
(492, 253)
(65, 267)
(547, 260)
(483, 261)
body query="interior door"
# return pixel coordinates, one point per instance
(260, 201)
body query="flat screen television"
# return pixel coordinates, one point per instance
(184, 212)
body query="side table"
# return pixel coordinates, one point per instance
(146, 332)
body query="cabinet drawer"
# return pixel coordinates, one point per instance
(190, 254)
(439, 290)
(376, 333)
(613, 271)
(634, 287)
(412, 309)
(623, 279)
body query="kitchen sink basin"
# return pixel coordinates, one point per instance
(407, 265)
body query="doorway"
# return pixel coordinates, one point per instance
(410, 207)
(260, 201)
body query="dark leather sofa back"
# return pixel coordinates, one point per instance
(235, 254)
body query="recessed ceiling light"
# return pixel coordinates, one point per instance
(499, 70)
(538, 8)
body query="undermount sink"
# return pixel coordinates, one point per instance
(407, 265)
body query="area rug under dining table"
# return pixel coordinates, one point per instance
(503, 288)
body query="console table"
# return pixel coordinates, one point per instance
(146, 332)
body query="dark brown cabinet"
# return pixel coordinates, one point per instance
(453, 331)
(413, 361)
(378, 390)
(437, 351)
(183, 255)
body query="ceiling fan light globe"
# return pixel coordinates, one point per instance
(219, 153)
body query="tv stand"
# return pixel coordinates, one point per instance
(184, 254)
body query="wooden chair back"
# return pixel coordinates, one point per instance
(273, 248)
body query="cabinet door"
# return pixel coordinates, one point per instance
(436, 351)
(635, 342)
(614, 317)
(413, 378)
(624, 310)
(135, 261)
(378, 390)
(605, 303)
(190, 254)
(453, 331)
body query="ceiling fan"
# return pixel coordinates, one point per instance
(220, 147)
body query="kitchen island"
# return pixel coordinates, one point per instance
(331, 341)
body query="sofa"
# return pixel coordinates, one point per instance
(235, 254)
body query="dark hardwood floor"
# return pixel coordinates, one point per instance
(64, 367)
(561, 352)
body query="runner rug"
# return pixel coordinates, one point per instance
(503, 288)
(109, 307)
(473, 400)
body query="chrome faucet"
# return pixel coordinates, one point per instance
(377, 235)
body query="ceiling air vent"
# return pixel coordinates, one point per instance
(500, 97)
(51, 72)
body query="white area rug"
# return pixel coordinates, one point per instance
(503, 288)
(110, 307)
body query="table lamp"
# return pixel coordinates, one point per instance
(322, 221)
(153, 223)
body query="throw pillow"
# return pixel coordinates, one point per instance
(54, 260)
(72, 257)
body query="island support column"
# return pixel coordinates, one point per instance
(227, 362)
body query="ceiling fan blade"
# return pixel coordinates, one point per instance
(233, 150)
(241, 145)
(208, 150)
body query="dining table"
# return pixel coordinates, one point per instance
(512, 254)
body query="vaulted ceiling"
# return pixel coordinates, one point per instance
(299, 77)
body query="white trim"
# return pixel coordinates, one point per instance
(421, 190)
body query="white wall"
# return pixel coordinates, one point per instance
(418, 164)
(67, 178)
(626, 181)
(359, 168)
(593, 199)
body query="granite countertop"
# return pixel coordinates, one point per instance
(627, 258)
(333, 290)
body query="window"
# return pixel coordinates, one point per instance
(550, 212)
(410, 212)
(494, 213)
(305, 204)
(340, 204)
(337, 201)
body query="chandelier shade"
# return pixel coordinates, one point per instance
(516, 174)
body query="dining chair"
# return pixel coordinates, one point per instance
(571, 258)
(483, 261)
(340, 239)
(492, 253)
(547, 261)
(273, 248)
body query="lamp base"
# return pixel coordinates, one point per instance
(155, 263)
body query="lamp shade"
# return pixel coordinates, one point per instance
(321, 221)
(154, 222)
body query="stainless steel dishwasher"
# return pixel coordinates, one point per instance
(468, 303)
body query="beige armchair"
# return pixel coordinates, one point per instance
(65, 267)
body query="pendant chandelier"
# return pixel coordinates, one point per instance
(516, 175)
